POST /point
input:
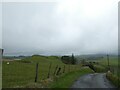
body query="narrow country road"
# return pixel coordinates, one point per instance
(96, 80)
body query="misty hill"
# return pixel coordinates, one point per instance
(93, 56)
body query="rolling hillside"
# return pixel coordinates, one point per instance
(22, 72)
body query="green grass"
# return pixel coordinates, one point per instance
(113, 61)
(113, 78)
(22, 73)
(67, 80)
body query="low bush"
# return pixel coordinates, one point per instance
(99, 68)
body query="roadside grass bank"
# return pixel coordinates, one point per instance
(113, 78)
(67, 80)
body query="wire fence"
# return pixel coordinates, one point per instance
(20, 73)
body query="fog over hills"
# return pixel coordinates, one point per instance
(60, 28)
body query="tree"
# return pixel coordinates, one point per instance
(73, 60)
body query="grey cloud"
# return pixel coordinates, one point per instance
(54, 28)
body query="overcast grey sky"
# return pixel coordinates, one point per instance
(61, 27)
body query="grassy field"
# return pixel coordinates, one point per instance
(22, 73)
(113, 61)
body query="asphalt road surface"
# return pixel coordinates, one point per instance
(96, 80)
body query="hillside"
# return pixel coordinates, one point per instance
(19, 73)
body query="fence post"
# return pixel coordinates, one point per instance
(55, 70)
(36, 74)
(49, 70)
(58, 72)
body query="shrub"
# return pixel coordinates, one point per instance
(99, 68)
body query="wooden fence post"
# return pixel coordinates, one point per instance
(36, 74)
(49, 70)
(55, 70)
(58, 72)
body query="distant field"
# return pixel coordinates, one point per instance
(22, 72)
(102, 62)
(113, 61)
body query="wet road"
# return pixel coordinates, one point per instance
(96, 80)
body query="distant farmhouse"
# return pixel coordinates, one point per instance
(65, 59)
(69, 59)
